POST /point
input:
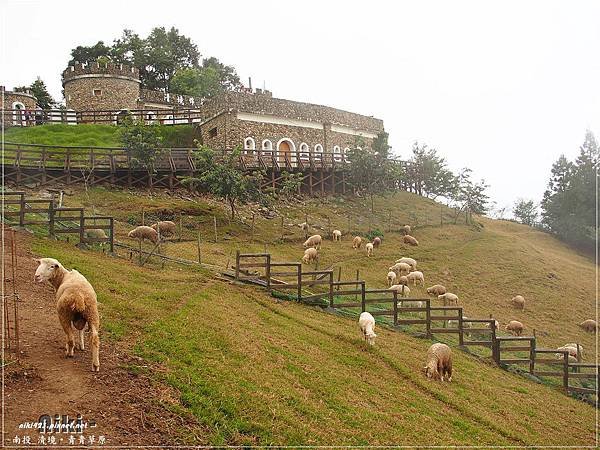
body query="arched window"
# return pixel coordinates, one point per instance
(304, 150)
(318, 152)
(346, 151)
(249, 146)
(337, 153)
(267, 147)
(18, 116)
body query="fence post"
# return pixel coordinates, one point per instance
(51, 219)
(22, 211)
(81, 227)
(331, 288)
(428, 318)
(363, 297)
(460, 327)
(566, 371)
(237, 264)
(395, 294)
(532, 347)
(215, 227)
(339, 276)
(268, 271)
(299, 269)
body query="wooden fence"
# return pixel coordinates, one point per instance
(23, 211)
(313, 285)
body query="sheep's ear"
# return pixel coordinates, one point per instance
(37, 260)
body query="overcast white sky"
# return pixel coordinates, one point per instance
(502, 87)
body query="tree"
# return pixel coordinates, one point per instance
(39, 90)
(227, 76)
(142, 142)
(430, 173)
(203, 83)
(85, 54)
(471, 197)
(525, 211)
(222, 177)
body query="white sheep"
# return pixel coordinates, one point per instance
(589, 325)
(411, 261)
(400, 268)
(356, 242)
(165, 228)
(439, 362)
(449, 298)
(436, 289)
(369, 249)
(416, 277)
(518, 302)
(366, 322)
(391, 277)
(143, 232)
(405, 229)
(95, 233)
(76, 305)
(515, 327)
(337, 235)
(310, 255)
(313, 241)
(402, 290)
(408, 239)
(403, 279)
(572, 349)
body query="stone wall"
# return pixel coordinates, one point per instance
(114, 93)
(8, 100)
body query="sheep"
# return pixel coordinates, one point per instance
(589, 325)
(369, 249)
(518, 302)
(439, 362)
(313, 241)
(391, 277)
(449, 298)
(453, 323)
(410, 261)
(436, 289)
(416, 277)
(337, 235)
(403, 280)
(165, 228)
(402, 290)
(76, 305)
(310, 255)
(515, 327)
(571, 348)
(303, 226)
(356, 242)
(405, 229)
(496, 325)
(400, 268)
(95, 233)
(143, 232)
(366, 323)
(408, 239)
(376, 242)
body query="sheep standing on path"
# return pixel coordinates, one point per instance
(76, 305)
(439, 362)
(165, 228)
(337, 235)
(589, 325)
(369, 249)
(143, 232)
(416, 277)
(515, 327)
(518, 302)
(366, 322)
(356, 242)
(313, 241)
(436, 289)
(408, 239)
(376, 242)
(310, 255)
(391, 277)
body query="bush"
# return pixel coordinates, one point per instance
(374, 233)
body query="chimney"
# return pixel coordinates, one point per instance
(250, 83)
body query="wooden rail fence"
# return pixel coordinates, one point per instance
(259, 268)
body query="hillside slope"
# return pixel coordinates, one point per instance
(254, 370)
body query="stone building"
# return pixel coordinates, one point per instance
(18, 108)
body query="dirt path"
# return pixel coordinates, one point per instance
(119, 405)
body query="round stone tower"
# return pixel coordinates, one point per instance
(98, 86)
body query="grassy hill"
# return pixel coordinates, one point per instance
(254, 370)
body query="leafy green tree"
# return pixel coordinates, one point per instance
(525, 211)
(91, 53)
(291, 183)
(142, 142)
(221, 176)
(429, 172)
(197, 82)
(39, 90)
(470, 196)
(227, 76)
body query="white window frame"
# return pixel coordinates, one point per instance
(267, 149)
(249, 146)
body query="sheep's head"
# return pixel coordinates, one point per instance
(371, 337)
(131, 234)
(431, 372)
(47, 269)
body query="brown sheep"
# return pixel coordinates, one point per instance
(518, 302)
(76, 305)
(166, 228)
(436, 289)
(403, 280)
(589, 325)
(377, 242)
(515, 327)
(408, 239)
(439, 362)
(310, 255)
(143, 232)
(356, 242)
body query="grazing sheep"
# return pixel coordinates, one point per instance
(496, 325)
(439, 362)
(589, 325)
(143, 232)
(572, 349)
(405, 229)
(391, 277)
(76, 305)
(337, 235)
(416, 277)
(449, 298)
(313, 241)
(356, 242)
(366, 322)
(369, 249)
(436, 289)
(408, 239)
(403, 280)
(518, 302)
(515, 327)
(165, 227)
(410, 261)
(95, 233)
(377, 242)
(310, 255)
(400, 268)
(402, 290)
